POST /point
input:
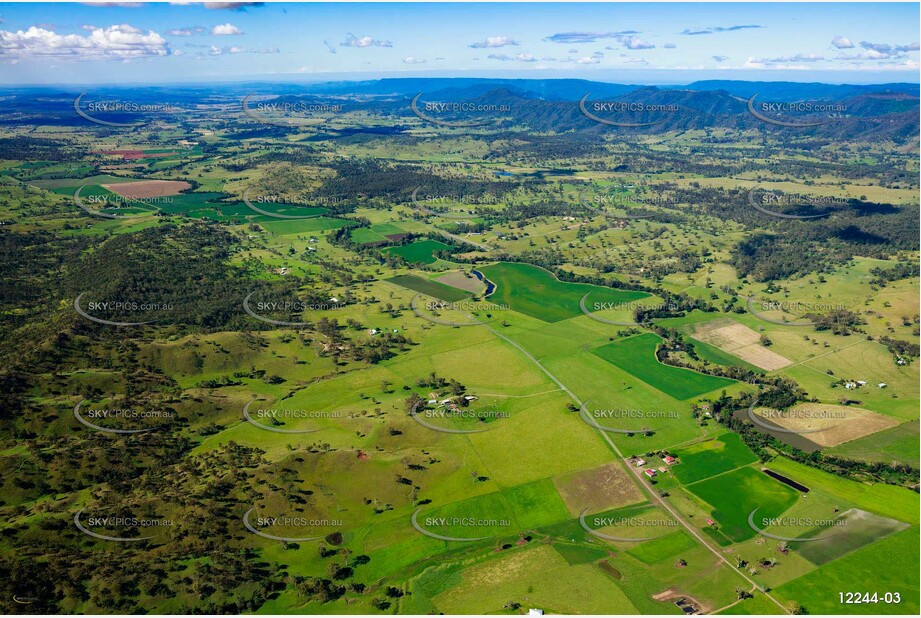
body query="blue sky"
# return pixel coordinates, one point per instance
(635, 43)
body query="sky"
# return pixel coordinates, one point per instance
(641, 43)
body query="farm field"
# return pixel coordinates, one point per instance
(429, 287)
(636, 355)
(420, 251)
(715, 456)
(537, 293)
(734, 495)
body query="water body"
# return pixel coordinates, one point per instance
(490, 286)
(786, 481)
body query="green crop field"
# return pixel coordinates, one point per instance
(657, 550)
(715, 456)
(734, 495)
(431, 288)
(419, 252)
(852, 530)
(636, 356)
(537, 293)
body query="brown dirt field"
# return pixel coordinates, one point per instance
(457, 279)
(130, 155)
(741, 341)
(597, 489)
(148, 188)
(837, 424)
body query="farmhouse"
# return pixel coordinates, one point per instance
(649, 472)
(710, 522)
(670, 460)
(639, 462)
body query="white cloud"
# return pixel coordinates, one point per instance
(585, 60)
(669, 46)
(782, 60)
(187, 31)
(634, 42)
(842, 42)
(226, 30)
(232, 6)
(236, 49)
(586, 37)
(411, 60)
(124, 5)
(494, 41)
(366, 41)
(721, 58)
(118, 42)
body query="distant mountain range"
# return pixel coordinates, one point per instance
(870, 112)
(451, 89)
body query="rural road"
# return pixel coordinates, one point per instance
(478, 245)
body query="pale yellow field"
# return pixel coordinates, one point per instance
(741, 341)
(829, 424)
